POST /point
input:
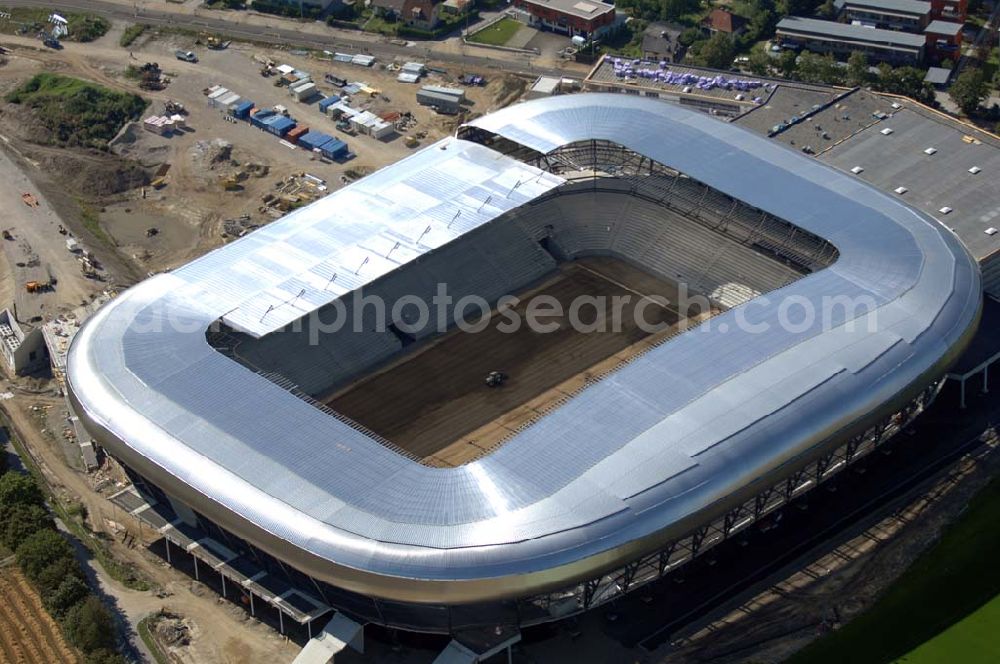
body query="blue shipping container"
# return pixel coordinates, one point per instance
(262, 116)
(328, 102)
(280, 126)
(314, 139)
(242, 110)
(335, 149)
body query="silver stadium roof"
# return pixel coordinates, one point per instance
(629, 463)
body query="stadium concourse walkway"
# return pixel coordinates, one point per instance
(248, 578)
(456, 419)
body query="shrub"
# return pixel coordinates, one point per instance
(87, 27)
(19, 522)
(50, 578)
(72, 591)
(132, 33)
(89, 626)
(41, 550)
(18, 489)
(77, 112)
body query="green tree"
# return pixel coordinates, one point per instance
(674, 9)
(70, 592)
(717, 52)
(21, 521)
(969, 90)
(906, 81)
(41, 550)
(787, 63)
(89, 626)
(760, 61)
(50, 578)
(798, 7)
(104, 656)
(689, 36)
(857, 70)
(18, 489)
(814, 68)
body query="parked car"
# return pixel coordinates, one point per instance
(186, 56)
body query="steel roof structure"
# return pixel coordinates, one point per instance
(639, 457)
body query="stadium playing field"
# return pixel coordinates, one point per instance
(434, 403)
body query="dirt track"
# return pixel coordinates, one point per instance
(27, 633)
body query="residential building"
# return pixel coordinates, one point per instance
(840, 40)
(944, 40)
(661, 41)
(421, 13)
(570, 17)
(950, 10)
(905, 15)
(392, 9)
(724, 21)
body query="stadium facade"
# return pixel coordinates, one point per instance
(203, 382)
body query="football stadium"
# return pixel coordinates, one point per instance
(407, 471)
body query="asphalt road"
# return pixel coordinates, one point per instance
(337, 40)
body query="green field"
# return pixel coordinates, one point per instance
(76, 112)
(498, 33)
(945, 608)
(975, 637)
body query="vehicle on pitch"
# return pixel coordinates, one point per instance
(186, 56)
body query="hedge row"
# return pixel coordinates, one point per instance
(47, 559)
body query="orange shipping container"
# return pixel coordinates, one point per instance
(293, 135)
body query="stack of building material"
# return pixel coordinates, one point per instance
(158, 124)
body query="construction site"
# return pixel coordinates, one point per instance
(234, 137)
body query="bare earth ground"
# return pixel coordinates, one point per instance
(188, 211)
(434, 401)
(28, 634)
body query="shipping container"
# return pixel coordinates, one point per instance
(304, 91)
(242, 110)
(260, 117)
(456, 93)
(314, 139)
(442, 103)
(293, 134)
(279, 125)
(334, 149)
(328, 102)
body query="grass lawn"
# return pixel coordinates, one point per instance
(945, 608)
(498, 33)
(974, 637)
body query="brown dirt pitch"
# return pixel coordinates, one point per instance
(433, 402)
